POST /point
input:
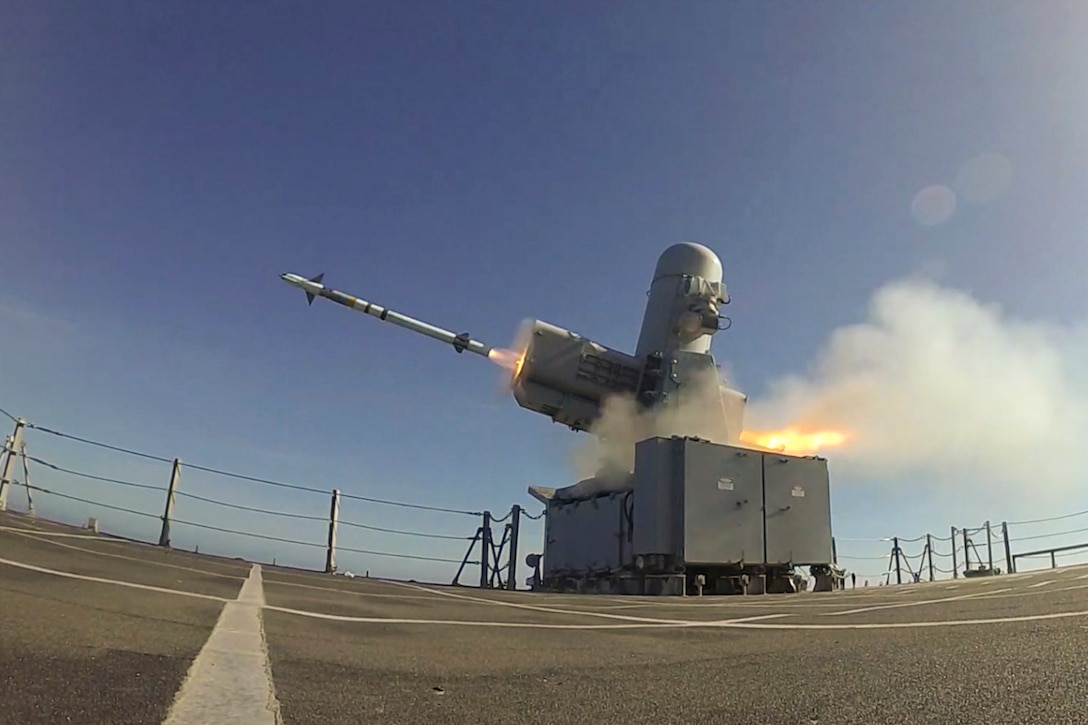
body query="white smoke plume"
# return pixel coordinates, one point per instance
(937, 384)
(700, 410)
(934, 385)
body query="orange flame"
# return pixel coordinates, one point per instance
(503, 358)
(792, 441)
(508, 359)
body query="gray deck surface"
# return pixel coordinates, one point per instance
(73, 650)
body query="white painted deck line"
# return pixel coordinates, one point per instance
(230, 681)
(923, 602)
(138, 560)
(58, 534)
(724, 624)
(115, 582)
(538, 608)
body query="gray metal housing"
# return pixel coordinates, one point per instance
(682, 309)
(589, 536)
(691, 508)
(566, 376)
(702, 503)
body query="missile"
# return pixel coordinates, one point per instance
(314, 288)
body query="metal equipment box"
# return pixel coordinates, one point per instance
(798, 515)
(723, 495)
(659, 499)
(693, 514)
(698, 502)
(586, 535)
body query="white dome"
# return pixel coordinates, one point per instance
(689, 258)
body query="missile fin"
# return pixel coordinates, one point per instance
(310, 295)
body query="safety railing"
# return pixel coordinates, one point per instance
(966, 551)
(242, 506)
(200, 498)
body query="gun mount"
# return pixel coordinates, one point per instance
(568, 377)
(702, 506)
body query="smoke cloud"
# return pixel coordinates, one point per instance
(702, 409)
(937, 384)
(933, 384)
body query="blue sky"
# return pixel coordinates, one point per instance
(474, 164)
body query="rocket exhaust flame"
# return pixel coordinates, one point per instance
(513, 358)
(511, 362)
(508, 359)
(792, 441)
